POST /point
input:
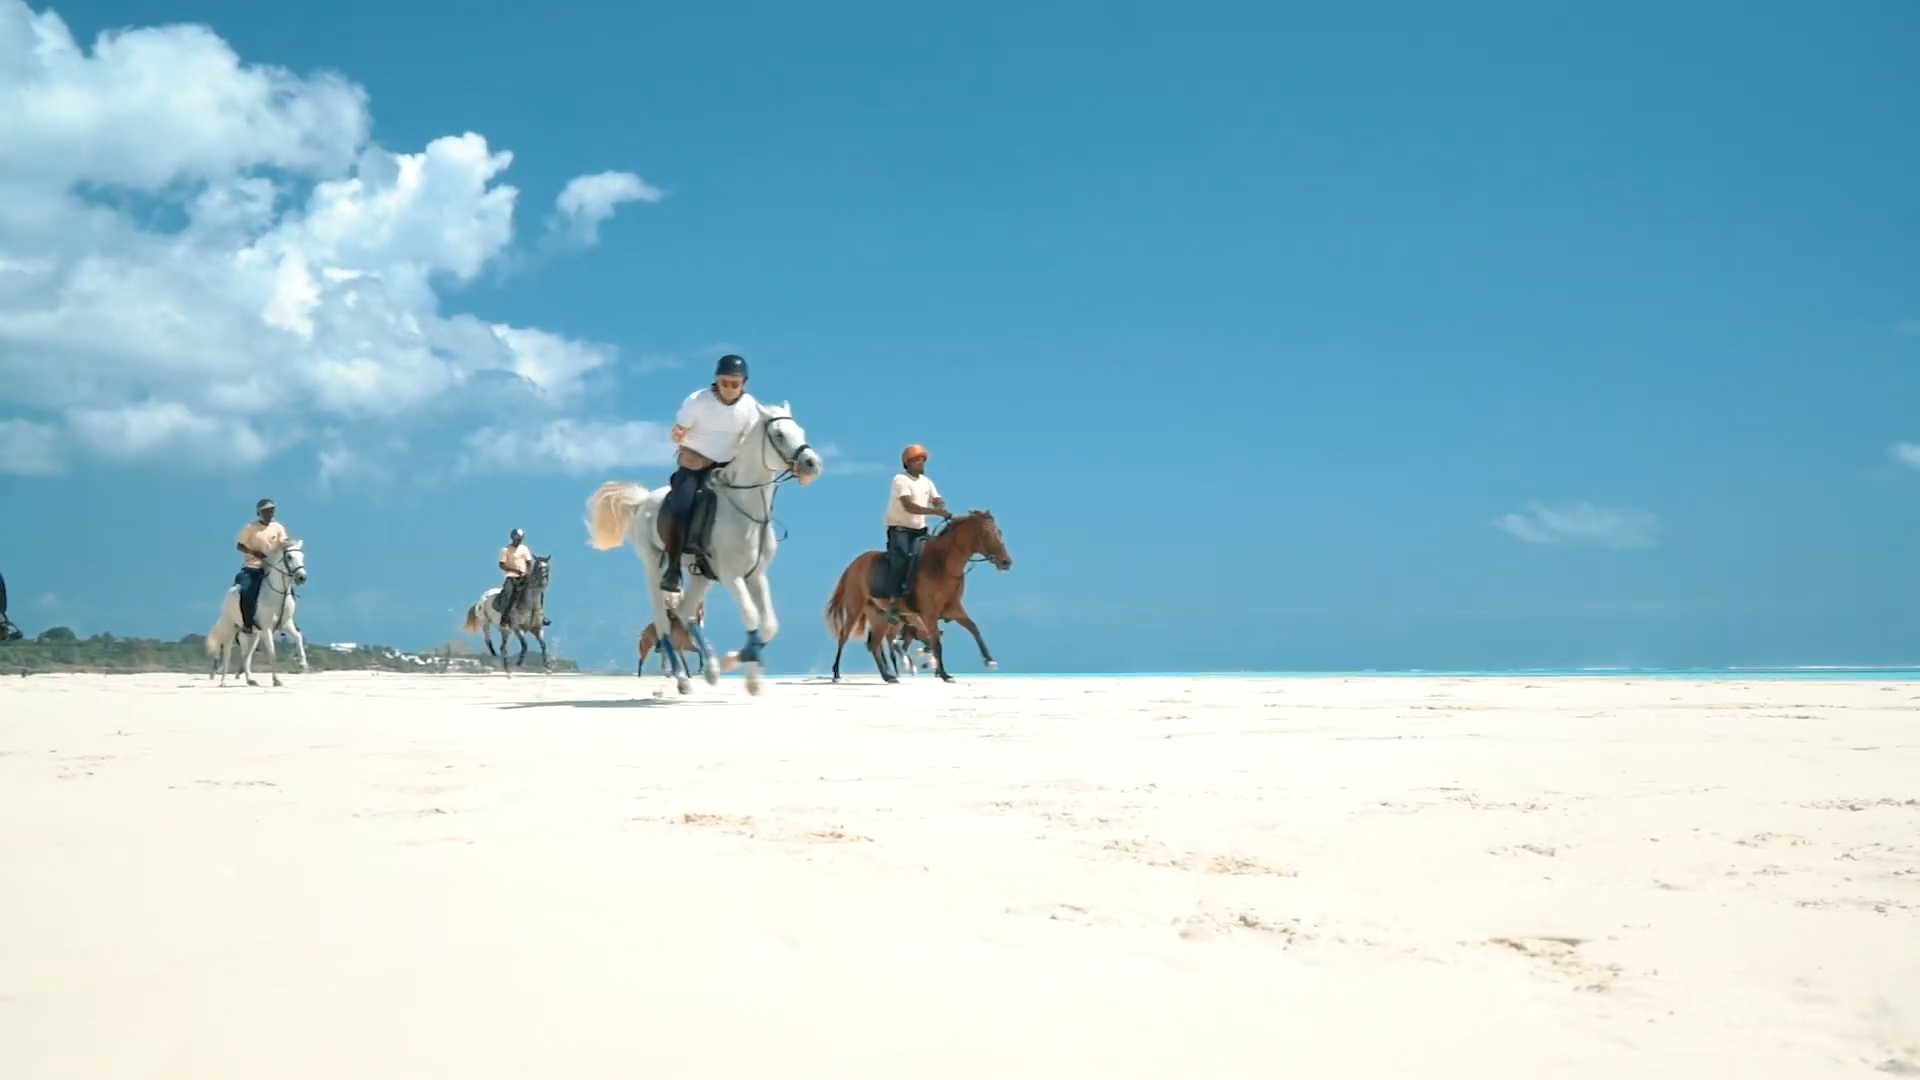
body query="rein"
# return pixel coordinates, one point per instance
(972, 560)
(780, 476)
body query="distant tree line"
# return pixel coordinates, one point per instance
(60, 649)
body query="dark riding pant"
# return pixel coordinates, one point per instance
(250, 579)
(676, 513)
(902, 544)
(504, 601)
(681, 490)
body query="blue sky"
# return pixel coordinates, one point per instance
(1277, 336)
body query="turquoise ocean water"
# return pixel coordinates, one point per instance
(1810, 674)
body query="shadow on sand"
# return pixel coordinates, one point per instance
(592, 703)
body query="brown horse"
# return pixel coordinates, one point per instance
(935, 593)
(681, 640)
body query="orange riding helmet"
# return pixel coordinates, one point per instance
(912, 452)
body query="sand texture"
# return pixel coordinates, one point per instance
(364, 877)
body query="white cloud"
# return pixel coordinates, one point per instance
(842, 465)
(195, 251)
(588, 201)
(1905, 453)
(1582, 523)
(578, 446)
(166, 429)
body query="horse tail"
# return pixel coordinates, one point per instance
(844, 615)
(611, 510)
(473, 619)
(223, 633)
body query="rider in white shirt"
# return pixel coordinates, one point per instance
(709, 428)
(912, 499)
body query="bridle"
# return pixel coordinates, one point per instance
(974, 559)
(780, 476)
(284, 559)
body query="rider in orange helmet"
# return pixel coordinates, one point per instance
(912, 500)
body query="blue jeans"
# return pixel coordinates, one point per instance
(249, 579)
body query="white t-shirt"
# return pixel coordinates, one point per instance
(918, 490)
(715, 428)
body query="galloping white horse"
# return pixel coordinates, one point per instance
(741, 546)
(272, 612)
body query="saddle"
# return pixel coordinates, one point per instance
(880, 585)
(696, 544)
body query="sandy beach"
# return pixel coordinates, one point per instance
(390, 876)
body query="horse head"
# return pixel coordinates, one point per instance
(783, 439)
(985, 540)
(292, 558)
(540, 572)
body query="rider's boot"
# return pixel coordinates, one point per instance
(673, 537)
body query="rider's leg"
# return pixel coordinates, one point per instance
(250, 596)
(673, 524)
(899, 550)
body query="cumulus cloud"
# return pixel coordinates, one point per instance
(579, 446)
(1905, 453)
(207, 261)
(1581, 523)
(588, 201)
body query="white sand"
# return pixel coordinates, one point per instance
(368, 877)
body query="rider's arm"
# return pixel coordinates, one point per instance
(683, 420)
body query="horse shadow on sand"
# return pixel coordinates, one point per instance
(599, 703)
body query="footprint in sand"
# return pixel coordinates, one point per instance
(1202, 927)
(1153, 853)
(1562, 955)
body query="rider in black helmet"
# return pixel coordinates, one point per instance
(709, 428)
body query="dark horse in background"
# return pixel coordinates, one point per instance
(932, 596)
(527, 615)
(8, 631)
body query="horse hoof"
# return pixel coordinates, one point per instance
(685, 686)
(993, 665)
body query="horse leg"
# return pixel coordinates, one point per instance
(882, 656)
(932, 639)
(958, 614)
(748, 654)
(546, 660)
(250, 640)
(694, 594)
(273, 657)
(299, 643)
(676, 665)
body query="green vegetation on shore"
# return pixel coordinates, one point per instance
(59, 649)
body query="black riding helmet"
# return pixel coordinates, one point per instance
(731, 365)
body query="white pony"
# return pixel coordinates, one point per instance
(742, 542)
(272, 612)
